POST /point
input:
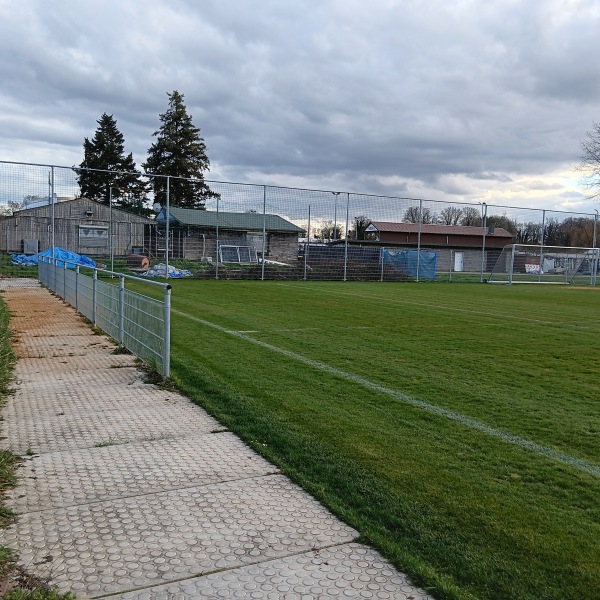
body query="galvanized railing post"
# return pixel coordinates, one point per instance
(121, 309)
(94, 295)
(167, 333)
(64, 294)
(77, 288)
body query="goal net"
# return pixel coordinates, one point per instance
(243, 255)
(521, 263)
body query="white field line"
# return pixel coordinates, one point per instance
(463, 309)
(506, 436)
(299, 330)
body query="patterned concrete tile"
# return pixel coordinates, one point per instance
(123, 544)
(58, 400)
(348, 571)
(60, 479)
(51, 434)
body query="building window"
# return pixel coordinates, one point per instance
(93, 236)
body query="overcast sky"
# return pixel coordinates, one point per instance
(484, 100)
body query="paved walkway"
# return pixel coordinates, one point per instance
(130, 491)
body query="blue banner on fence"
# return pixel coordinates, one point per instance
(412, 261)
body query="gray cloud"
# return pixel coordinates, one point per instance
(395, 95)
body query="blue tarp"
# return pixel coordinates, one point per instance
(407, 261)
(59, 254)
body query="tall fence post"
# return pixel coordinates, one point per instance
(512, 265)
(307, 245)
(217, 243)
(484, 223)
(419, 237)
(167, 229)
(121, 309)
(64, 294)
(381, 255)
(264, 236)
(346, 241)
(542, 245)
(52, 217)
(167, 333)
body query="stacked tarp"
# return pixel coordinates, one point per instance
(412, 263)
(61, 256)
(160, 270)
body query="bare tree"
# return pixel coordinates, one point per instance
(411, 215)
(329, 232)
(451, 215)
(471, 217)
(590, 162)
(11, 207)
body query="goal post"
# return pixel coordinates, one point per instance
(526, 263)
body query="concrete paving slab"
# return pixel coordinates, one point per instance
(348, 571)
(51, 434)
(55, 401)
(61, 479)
(126, 543)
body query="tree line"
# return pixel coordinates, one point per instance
(108, 174)
(574, 231)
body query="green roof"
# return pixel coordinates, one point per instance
(228, 220)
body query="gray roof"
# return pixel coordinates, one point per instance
(228, 220)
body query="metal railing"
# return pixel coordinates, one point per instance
(137, 322)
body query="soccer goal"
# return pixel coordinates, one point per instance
(242, 255)
(521, 263)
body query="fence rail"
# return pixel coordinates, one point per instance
(139, 323)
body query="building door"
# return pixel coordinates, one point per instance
(459, 261)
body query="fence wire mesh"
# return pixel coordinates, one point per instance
(269, 232)
(135, 321)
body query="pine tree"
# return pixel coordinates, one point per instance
(180, 152)
(116, 175)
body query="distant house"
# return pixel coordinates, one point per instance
(202, 234)
(81, 225)
(457, 246)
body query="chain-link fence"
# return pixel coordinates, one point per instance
(269, 232)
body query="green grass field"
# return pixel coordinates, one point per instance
(340, 385)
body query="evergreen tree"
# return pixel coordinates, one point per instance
(180, 152)
(116, 175)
